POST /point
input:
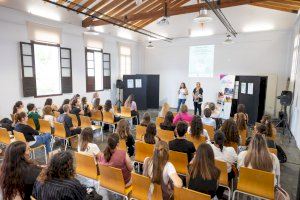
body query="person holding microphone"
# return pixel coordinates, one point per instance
(197, 98)
(182, 93)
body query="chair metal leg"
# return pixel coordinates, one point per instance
(102, 133)
(33, 155)
(46, 156)
(234, 194)
(66, 144)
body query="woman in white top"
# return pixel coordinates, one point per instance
(182, 93)
(161, 171)
(196, 129)
(207, 120)
(164, 109)
(48, 115)
(258, 157)
(86, 144)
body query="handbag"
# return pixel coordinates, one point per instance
(281, 194)
(281, 154)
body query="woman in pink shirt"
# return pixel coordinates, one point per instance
(183, 115)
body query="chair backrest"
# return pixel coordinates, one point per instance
(159, 120)
(116, 109)
(256, 182)
(122, 145)
(4, 136)
(74, 119)
(112, 179)
(140, 132)
(165, 135)
(184, 193)
(195, 141)
(233, 145)
(56, 114)
(210, 131)
(85, 165)
(19, 136)
(222, 166)
(125, 111)
(108, 117)
(31, 123)
(243, 135)
(143, 150)
(90, 106)
(85, 121)
(96, 115)
(140, 186)
(273, 150)
(45, 126)
(157, 193)
(60, 130)
(180, 161)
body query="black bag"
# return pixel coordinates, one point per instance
(6, 123)
(281, 154)
(93, 195)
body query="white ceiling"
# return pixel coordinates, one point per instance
(239, 16)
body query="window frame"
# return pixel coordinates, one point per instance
(126, 56)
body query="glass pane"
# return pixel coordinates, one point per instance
(106, 65)
(26, 49)
(65, 53)
(28, 72)
(27, 61)
(91, 64)
(98, 71)
(65, 63)
(106, 72)
(105, 57)
(90, 56)
(91, 72)
(125, 50)
(128, 65)
(66, 72)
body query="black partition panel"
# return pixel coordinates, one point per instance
(145, 89)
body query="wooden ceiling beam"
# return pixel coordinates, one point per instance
(74, 3)
(85, 5)
(98, 6)
(283, 4)
(274, 7)
(60, 1)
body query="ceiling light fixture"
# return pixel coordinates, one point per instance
(203, 16)
(164, 21)
(91, 31)
(228, 40)
(150, 45)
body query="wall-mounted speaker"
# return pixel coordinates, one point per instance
(119, 84)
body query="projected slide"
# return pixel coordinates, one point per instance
(201, 61)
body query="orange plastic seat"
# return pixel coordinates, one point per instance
(140, 132)
(184, 194)
(223, 180)
(159, 120)
(74, 120)
(165, 135)
(4, 137)
(86, 166)
(180, 162)
(195, 141)
(210, 130)
(122, 145)
(31, 123)
(126, 112)
(60, 132)
(96, 115)
(140, 186)
(86, 122)
(45, 126)
(143, 150)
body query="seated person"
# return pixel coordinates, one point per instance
(49, 102)
(32, 136)
(86, 144)
(271, 130)
(65, 102)
(130, 103)
(96, 104)
(33, 114)
(150, 137)
(85, 107)
(18, 107)
(207, 120)
(168, 122)
(146, 119)
(123, 130)
(229, 128)
(164, 109)
(215, 112)
(183, 115)
(48, 115)
(76, 110)
(108, 108)
(196, 129)
(241, 108)
(67, 121)
(180, 144)
(203, 173)
(114, 157)
(262, 129)
(57, 180)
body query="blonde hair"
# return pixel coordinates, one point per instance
(159, 159)
(184, 108)
(123, 129)
(164, 109)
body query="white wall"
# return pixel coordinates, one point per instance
(13, 30)
(252, 54)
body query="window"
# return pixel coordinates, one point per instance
(94, 70)
(125, 60)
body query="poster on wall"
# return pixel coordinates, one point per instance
(138, 83)
(243, 88)
(130, 83)
(250, 88)
(226, 94)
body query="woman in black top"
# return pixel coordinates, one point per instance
(85, 107)
(57, 181)
(203, 174)
(123, 130)
(168, 122)
(61, 110)
(76, 110)
(18, 174)
(197, 98)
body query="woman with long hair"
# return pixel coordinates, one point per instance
(161, 171)
(241, 108)
(86, 144)
(108, 108)
(48, 115)
(49, 102)
(196, 128)
(18, 173)
(271, 130)
(96, 104)
(182, 93)
(150, 136)
(85, 107)
(263, 130)
(197, 98)
(258, 156)
(183, 115)
(76, 109)
(241, 122)
(146, 119)
(114, 157)
(164, 109)
(123, 130)
(18, 107)
(130, 103)
(229, 128)
(168, 122)
(65, 102)
(95, 96)
(203, 174)
(57, 180)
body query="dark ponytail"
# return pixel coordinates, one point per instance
(16, 106)
(266, 120)
(219, 139)
(112, 143)
(20, 116)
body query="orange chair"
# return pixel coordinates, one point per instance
(86, 166)
(74, 120)
(223, 180)
(56, 114)
(255, 183)
(210, 131)
(96, 115)
(273, 150)
(111, 179)
(140, 186)
(140, 132)
(142, 150)
(165, 135)
(122, 145)
(86, 122)
(233, 145)
(45, 126)
(31, 123)
(125, 112)
(180, 162)
(60, 132)
(5, 138)
(195, 141)
(90, 106)
(184, 193)
(243, 135)
(116, 109)
(159, 120)
(108, 118)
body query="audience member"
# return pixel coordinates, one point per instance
(164, 109)
(146, 119)
(168, 122)
(86, 144)
(207, 120)
(215, 113)
(241, 108)
(48, 115)
(150, 136)
(108, 108)
(183, 115)
(262, 129)
(95, 96)
(196, 129)
(230, 130)
(271, 130)
(96, 104)
(130, 103)
(18, 107)
(49, 102)
(76, 110)
(18, 173)
(180, 144)
(67, 121)
(114, 157)
(161, 171)
(57, 180)
(34, 115)
(123, 130)
(203, 174)
(241, 122)
(65, 102)
(85, 107)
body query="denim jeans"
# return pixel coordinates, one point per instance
(44, 139)
(180, 101)
(197, 106)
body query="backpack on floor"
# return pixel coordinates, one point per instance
(281, 154)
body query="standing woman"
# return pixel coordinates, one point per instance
(197, 98)
(182, 93)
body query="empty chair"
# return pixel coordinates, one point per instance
(165, 135)
(184, 193)
(143, 150)
(255, 183)
(223, 181)
(96, 115)
(195, 141)
(210, 130)
(4, 137)
(45, 126)
(140, 186)
(125, 112)
(159, 120)
(108, 118)
(86, 122)
(111, 178)
(74, 119)
(31, 123)
(86, 166)
(180, 161)
(60, 132)
(140, 132)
